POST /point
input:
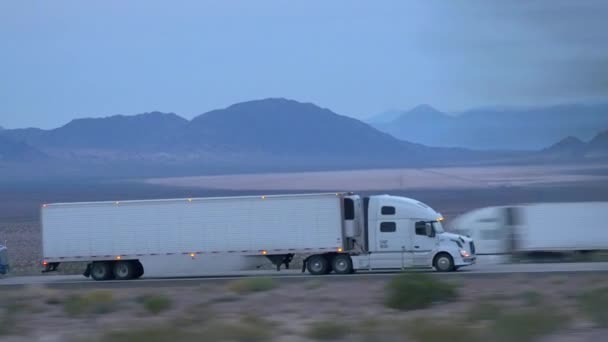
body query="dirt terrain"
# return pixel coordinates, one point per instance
(497, 308)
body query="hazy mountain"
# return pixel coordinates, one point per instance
(144, 131)
(12, 151)
(574, 148)
(287, 127)
(384, 117)
(499, 128)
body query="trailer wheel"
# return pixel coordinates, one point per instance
(317, 265)
(443, 262)
(101, 270)
(139, 269)
(125, 270)
(342, 264)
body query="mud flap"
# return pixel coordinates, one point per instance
(3, 260)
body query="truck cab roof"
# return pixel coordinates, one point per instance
(407, 207)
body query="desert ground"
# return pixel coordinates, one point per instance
(408, 307)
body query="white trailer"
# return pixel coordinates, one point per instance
(539, 227)
(193, 236)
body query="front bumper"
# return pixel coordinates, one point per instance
(466, 261)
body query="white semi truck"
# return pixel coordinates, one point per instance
(339, 232)
(537, 229)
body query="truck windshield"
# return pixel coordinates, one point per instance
(438, 227)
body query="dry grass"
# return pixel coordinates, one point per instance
(410, 291)
(292, 311)
(249, 285)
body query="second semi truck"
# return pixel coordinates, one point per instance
(339, 232)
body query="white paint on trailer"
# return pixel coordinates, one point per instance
(245, 225)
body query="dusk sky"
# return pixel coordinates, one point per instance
(61, 60)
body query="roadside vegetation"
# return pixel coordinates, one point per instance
(410, 291)
(90, 303)
(155, 303)
(258, 309)
(594, 303)
(250, 285)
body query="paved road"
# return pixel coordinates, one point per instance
(485, 270)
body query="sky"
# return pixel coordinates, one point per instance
(61, 60)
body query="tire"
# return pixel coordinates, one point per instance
(318, 265)
(139, 269)
(125, 270)
(444, 262)
(342, 264)
(102, 270)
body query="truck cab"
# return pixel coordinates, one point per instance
(403, 233)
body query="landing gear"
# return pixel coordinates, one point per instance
(281, 259)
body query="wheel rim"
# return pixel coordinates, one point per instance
(99, 272)
(316, 265)
(443, 263)
(122, 271)
(341, 265)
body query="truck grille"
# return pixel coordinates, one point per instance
(472, 246)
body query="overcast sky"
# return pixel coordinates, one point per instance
(61, 60)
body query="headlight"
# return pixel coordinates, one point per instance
(464, 253)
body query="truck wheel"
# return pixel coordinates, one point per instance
(101, 270)
(317, 265)
(342, 264)
(443, 262)
(139, 269)
(124, 270)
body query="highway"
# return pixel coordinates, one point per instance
(480, 270)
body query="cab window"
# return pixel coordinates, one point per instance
(421, 228)
(386, 210)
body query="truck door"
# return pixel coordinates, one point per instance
(422, 244)
(391, 245)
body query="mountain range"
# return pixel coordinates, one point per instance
(495, 128)
(255, 136)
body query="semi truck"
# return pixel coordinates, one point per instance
(3, 259)
(328, 232)
(536, 229)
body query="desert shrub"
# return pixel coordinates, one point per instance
(429, 330)
(95, 302)
(249, 285)
(328, 330)
(527, 325)
(417, 291)
(249, 329)
(151, 334)
(483, 311)
(155, 303)
(532, 298)
(594, 303)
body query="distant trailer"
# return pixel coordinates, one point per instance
(537, 228)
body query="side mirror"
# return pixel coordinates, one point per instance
(430, 232)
